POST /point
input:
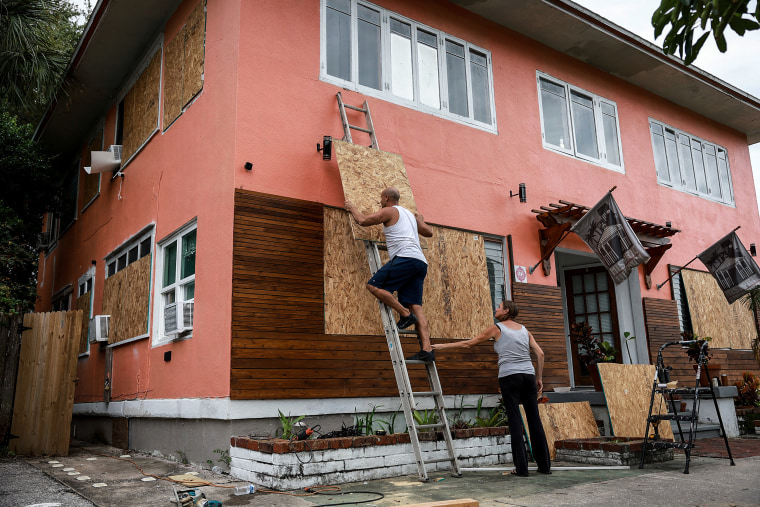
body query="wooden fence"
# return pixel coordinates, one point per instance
(10, 346)
(44, 396)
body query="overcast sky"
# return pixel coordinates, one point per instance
(739, 66)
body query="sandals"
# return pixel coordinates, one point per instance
(514, 472)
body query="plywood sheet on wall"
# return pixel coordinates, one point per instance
(173, 77)
(141, 107)
(456, 296)
(365, 173)
(126, 298)
(91, 182)
(83, 303)
(564, 420)
(194, 55)
(628, 391)
(730, 326)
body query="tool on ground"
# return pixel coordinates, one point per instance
(394, 343)
(662, 385)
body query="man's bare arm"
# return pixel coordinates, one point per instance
(380, 217)
(422, 227)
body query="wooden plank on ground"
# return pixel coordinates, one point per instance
(628, 391)
(564, 420)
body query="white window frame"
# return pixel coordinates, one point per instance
(682, 185)
(386, 65)
(500, 240)
(159, 336)
(86, 283)
(571, 150)
(124, 249)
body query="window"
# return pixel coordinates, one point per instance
(496, 274)
(134, 249)
(61, 301)
(382, 54)
(690, 164)
(579, 123)
(176, 285)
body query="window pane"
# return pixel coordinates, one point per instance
(82, 288)
(554, 108)
(495, 265)
(593, 321)
(609, 120)
(144, 247)
(579, 302)
(725, 177)
(481, 96)
(402, 84)
(170, 264)
(189, 291)
(604, 302)
(341, 5)
(338, 42)
(660, 157)
(601, 281)
(711, 169)
(132, 255)
(606, 322)
(584, 126)
(699, 166)
(577, 283)
(456, 79)
(685, 177)
(369, 47)
(427, 60)
(121, 262)
(112, 268)
(588, 282)
(188, 255)
(591, 306)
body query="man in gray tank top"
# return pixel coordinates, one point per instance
(405, 272)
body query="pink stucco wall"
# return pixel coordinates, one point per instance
(263, 102)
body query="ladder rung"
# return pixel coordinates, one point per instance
(670, 417)
(361, 129)
(427, 393)
(416, 361)
(361, 109)
(420, 427)
(438, 460)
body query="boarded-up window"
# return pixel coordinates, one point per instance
(184, 59)
(126, 298)
(91, 182)
(140, 107)
(730, 326)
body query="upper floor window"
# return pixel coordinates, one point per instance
(497, 279)
(136, 248)
(383, 54)
(579, 123)
(691, 164)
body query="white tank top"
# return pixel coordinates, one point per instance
(513, 348)
(402, 238)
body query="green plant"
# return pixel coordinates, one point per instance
(693, 349)
(287, 429)
(628, 337)
(496, 416)
(591, 349)
(224, 456)
(366, 425)
(749, 390)
(390, 425)
(183, 457)
(752, 301)
(459, 422)
(426, 417)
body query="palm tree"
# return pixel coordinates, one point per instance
(37, 38)
(752, 301)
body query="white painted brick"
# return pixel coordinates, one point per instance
(323, 467)
(398, 459)
(243, 475)
(362, 463)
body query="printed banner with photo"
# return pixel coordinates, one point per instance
(732, 266)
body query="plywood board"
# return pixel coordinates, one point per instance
(730, 326)
(83, 303)
(456, 295)
(628, 391)
(141, 108)
(194, 54)
(173, 77)
(564, 420)
(126, 298)
(365, 173)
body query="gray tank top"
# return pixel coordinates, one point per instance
(513, 348)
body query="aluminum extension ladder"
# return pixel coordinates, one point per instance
(397, 354)
(697, 393)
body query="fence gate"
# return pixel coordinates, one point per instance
(10, 345)
(47, 369)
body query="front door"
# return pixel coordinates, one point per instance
(591, 298)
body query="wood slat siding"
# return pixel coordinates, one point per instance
(279, 347)
(541, 312)
(661, 316)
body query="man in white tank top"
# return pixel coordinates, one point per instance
(405, 272)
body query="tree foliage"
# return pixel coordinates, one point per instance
(687, 18)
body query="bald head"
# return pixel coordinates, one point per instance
(392, 194)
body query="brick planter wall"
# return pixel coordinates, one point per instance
(608, 451)
(283, 465)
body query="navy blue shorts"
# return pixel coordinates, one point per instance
(402, 274)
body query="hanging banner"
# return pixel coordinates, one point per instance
(605, 230)
(732, 266)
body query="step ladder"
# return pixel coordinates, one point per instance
(408, 396)
(697, 394)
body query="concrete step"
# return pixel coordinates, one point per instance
(703, 430)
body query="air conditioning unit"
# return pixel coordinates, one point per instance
(178, 317)
(105, 161)
(99, 328)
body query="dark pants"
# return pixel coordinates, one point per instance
(517, 388)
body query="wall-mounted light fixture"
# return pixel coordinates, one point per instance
(248, 166)
(752, 250)
(668, 224)
(521, 193)
(326, 148)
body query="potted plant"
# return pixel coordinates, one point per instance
(591, 350)
(749, 390)
(693, 350)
